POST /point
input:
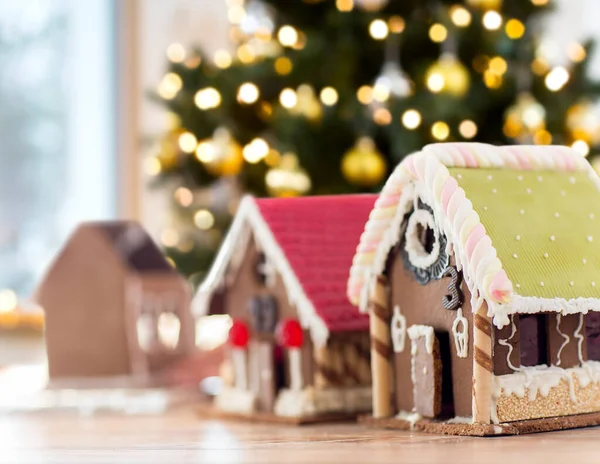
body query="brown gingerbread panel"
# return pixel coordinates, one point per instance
(427, 372)
(563, 344)
(506, 349)
(423, 304)
(84, 288)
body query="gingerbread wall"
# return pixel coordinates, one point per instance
(83, 297)
(422, 304)
(244, 284)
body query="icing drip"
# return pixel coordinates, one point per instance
(566, 338)
(461, 336)
(504, 342)
(398, 330)
(579, 336)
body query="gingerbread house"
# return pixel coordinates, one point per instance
(117, 313)
(480, 269)
(298, 350)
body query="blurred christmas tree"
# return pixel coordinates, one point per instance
(326, 96)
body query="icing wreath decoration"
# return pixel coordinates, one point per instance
(423, 247)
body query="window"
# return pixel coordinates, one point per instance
(592, 334)
(532, 330)
(56, 134)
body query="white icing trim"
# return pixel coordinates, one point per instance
(579, 336)
(398, 330)
(249, 217)
(504, 342)
(566, 339)
(417, 254)
(460, 420)
(235, 400)
(417, 331)
(461, 338)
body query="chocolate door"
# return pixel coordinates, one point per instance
(427, 376)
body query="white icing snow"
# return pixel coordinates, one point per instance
(539, 380)
(236, 400)
(411, 417)
(460, 420)
(311, 401)
(398, 330)
(247, 218)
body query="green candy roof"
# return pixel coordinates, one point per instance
(545, 226)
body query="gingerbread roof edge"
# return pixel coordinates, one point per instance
(440, 176)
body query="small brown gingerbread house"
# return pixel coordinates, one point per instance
(480, 269)
(298, 349)
(116, 311)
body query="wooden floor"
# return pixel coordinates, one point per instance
(180, 437)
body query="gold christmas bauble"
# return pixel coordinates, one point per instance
(307, 103)
(448, 75)
(221, 154)
(524, 118)
(288, 179)
(486, 4)
(583, 122)
(363, 165)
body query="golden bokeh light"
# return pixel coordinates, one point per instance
(329, 96)
(287, 36)
(246, 54)
(514, 29)
(460, 16)
(169, 237)
(411, 119)
(222, 59)
(256, 150)
(188, 142)
(498, 65)
(288, 98)
(207, 98)
(382, 116)
(581, 147)
(438, 33)
(468, 129)
(378, 29)
(248, 93)
(492, 20)
(184, 196)
(283, 65)
(556, 79)
(152, 166)
(344, 5)
(542, 137)
(169, 86)
(204, 219)
(435, 82)
(396, 24)
(176, 53)
(576, 52)
(365, 94)
(440, 130)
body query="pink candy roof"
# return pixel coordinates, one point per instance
(318, 236)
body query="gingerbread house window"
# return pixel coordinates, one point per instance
(592, 332)
(533, 339)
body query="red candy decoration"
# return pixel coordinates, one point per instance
(290, 333)
(238, 334)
